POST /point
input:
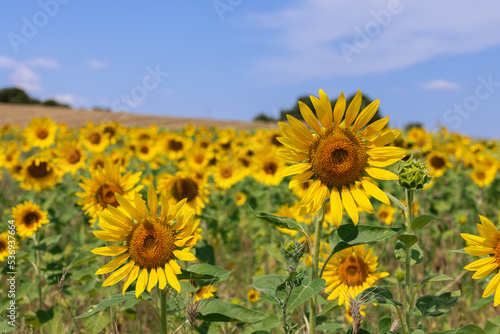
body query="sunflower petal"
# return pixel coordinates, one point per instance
(485, 270)
(113, 264)
(350, 205)
(366, 115)
(164, 205)
(152, 201)
(295, 169)
(300, 130)
(119, 274)
(184, 256)
(387, 152)
(479, 250)
(109, 236)
(299, 179)
(292, 156)
(336, 207)
(490, 228)
(381, 174)
(120, 216)
(375, 127)
(384, 138)
(339, 110)
(308, 116)
(293, 144)
(142, 281)
(140, 205)
(153, 279)
(375, 191)
(110, 250)
(131, 277)
(361, 199)
(175, 267)
(323, 109)
(478, 264)
(162, 280)
(492, 286)
(172, 278)
(128, 207)
(353, 109)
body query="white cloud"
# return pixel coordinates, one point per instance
(97, 64)
(70, 99)
(305, 38)
(440, 84)
(22, 74)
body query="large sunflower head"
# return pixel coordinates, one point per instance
(486, 244)
(150, 243)
(341, 155)
(99, 191)
(28, 218)
(349, 272)
(41, 132)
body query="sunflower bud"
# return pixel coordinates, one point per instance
(413, 174)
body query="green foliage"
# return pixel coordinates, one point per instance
(213, 309)
(416, 255)
(18, 96)
(434, 306)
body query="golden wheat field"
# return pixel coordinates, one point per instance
(332, 222)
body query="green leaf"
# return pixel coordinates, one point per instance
(203, 271)
(5, 327)
(421, 221)
(42, 246)
(408, 239)
(469, 329)
(481, 303)
(396, 201)
(96, 323)
(434, 278)
(110, 301)
(301, 294)
(330, 307)
(416, 255)
(281, 222)
(213, 309)
(459, 251)
(360, 331)
(434, 306)
(384, 325)
(268, 283)
(348, 235)
(377, 295)
(418, 331)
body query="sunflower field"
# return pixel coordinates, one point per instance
(330, 224)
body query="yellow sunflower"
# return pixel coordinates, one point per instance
(99, 190)
(227, 173)
(386, 213)
(182, 185)
(94, 139)
(175, 146)
(483, 176)
(267, 168)
(204, 292)
(41, 132)
(349, 272)
(28, 218)
(339, 156)
(253, 295)
(438, 164)
(70, 156)
(488, 244)
(39, 173)
(150, 242)
(4, 245)
(10, 154)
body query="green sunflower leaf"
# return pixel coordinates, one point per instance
(203, 271)
(105, 303)
(213, 309)
(302, 294)
(469, 329)
(421, 221)
(377, 295)
(268, 283)
(434, 306)
(434, 278)
(416, 254)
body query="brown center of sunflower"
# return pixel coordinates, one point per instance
(198, 158)
(244, 161)
(39, 171)
(110, 130)
(151, 243)
(270, 168)
(226, 173)
(353, 271)
(144, 150)
(73, 157)
(184, 188)
(497, 253)
(383, 215)
(3, 246)
(175, 145)
(337, 157)
(437, 162)
(226, 146)
(106, 195)
(42, 133)
(144, 136)
(94, 138)
(30, 219)
(275, 141)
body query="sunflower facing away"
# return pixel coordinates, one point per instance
(338, 156)
(28, 218)
(150, 243)
(488, 244)
(349, 272)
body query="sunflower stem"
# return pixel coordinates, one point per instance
(319, 219)
(163, 311)
(38, 272)
(409, 200)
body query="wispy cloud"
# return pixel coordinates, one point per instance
(440, 84)
(70, 99)
(304, 39)
(22, 74)
(97, 64)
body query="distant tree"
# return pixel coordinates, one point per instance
(54, 103)
(96, 108)
(16, 95)
(264, 118)
(295, 111)
(413, 125)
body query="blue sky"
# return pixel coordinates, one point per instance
(427, 61)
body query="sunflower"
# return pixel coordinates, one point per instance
(438, 163)
(99, 190)
(28, 218)
(152, 243)
(4, 245)
(349, 272)
(94, 139)
(267, 168)
(175, 146)
(146, 150)
(39, 173)
(227, 173)
(181, 186)
(41, 132)
(253, 295)
(386, 213)
(488, 244)
(483, 176)
(241, 198)
(10, 154)
(339, 156)
(70, 156)
(204, 292)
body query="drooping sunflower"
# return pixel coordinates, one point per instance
(349, 272)
(182, 185)
(39, 173)
(99, 190)
(487, 244)
(339, 157)
(41, 132)
(150, 243)
(28, 218)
